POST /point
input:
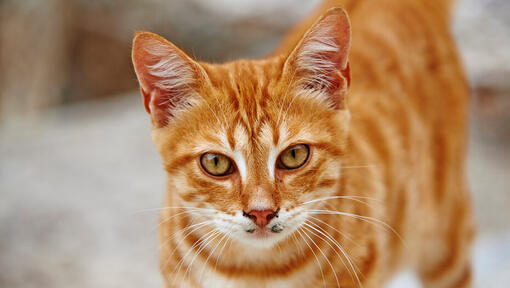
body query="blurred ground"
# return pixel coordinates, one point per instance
(73, 179)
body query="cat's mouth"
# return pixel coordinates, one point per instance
(264, 237)
(265, 232)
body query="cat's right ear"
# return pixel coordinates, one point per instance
(319, 62)
(168, 77)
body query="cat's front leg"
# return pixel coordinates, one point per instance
(453, 277)
(452, 267)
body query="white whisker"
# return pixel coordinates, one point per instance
(294, 238)
(316, 258)
(173, 216)
(330, 238)
(203, 245)
(338, 231)
(221, 252)
(353, 198)
(360, 217)
(198, 242)
(195, 228)
(324, 255)
(209, 256)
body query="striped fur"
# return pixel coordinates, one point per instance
(391, 150)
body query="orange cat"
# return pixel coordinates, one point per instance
(282, 174)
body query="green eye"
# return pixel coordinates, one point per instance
(216, 164)
(294, 157)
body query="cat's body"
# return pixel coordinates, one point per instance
(392, 150)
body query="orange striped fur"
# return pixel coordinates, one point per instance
(384, 115)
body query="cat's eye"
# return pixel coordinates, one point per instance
(216, 164)
(294, 157)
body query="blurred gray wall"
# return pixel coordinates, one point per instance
(54, 52)
(60, 51)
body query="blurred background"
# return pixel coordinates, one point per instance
(77, 164)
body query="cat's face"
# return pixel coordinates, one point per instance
(247, 145)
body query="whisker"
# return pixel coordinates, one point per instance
(170, 218)
(342, 250)
(189, 210)
(198, 242)
(204, 244)
(324, 255)
(221, 252)
(180, 263)
(353, 198)
(316, 258)
(360, 217)
(196, 227)
(294, 238)
(209, 256)
(338, 231)
(333, 248)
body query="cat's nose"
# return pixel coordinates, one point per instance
(261, 217)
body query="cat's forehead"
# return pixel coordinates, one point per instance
(245, 94)
(247, 69)
(251, 108)
(245, 80)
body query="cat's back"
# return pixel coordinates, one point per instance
(404, 56)
(409, 97)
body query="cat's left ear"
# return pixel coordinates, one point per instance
(168, 77)
(320, 60)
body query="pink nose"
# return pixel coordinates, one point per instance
(261, 217)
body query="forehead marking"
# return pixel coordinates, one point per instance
(271, 161)
(275, 149)
(241, 164)
(222, 136)
(241, 137)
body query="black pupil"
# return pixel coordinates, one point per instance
(216, 160)
(293, 153)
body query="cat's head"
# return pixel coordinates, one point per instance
(248, 144)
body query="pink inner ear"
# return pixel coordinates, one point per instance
(161, 111)
(166, 75)
(146, 99)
